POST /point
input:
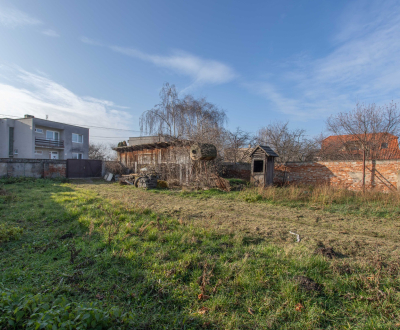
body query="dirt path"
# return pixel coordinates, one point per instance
(349, 235)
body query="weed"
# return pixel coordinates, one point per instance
(155, 273)
(9, 233)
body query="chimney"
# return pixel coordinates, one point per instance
(29, 116)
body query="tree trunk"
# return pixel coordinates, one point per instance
(363, 170)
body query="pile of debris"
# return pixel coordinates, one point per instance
(145, 179)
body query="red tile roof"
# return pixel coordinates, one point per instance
(382, 145)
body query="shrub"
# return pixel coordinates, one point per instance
(162, 184)
(9, 233)
(47, 312)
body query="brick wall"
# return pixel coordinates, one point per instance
(36, 168)
(383, 175)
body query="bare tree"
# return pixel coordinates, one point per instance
(290, 145)
(183, 119)
(365, 132)
(101, 151)
(236, 140)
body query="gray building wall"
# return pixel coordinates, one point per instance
(24, 138)
(65, 131)
(5, 124)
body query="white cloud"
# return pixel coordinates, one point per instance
(90, 41)
(201, 71)
(363, 66)
(50, 33)
(12, 17)
(28, 93)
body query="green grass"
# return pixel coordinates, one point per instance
(138, 270)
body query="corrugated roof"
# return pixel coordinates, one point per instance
(267, 150)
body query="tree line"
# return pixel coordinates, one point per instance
(371, 129)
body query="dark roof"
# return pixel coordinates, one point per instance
(266, 149)
(157, 145)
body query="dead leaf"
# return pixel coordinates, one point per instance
(203, 310)
(299, 307)
(251, 311)
(203, 296)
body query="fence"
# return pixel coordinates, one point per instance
(36, 168)
(51, 168)
(383, 175)
(84, 168)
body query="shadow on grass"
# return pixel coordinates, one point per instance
(162, 273)
(65, 251)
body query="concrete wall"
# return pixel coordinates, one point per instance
(23, 138)
(383, 175)
(5, 124)
(134, 141)
(44, 168)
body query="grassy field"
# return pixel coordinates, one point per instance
(91, 255)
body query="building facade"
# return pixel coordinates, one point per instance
(378, 146)
(31, 137)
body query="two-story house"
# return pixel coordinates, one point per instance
(31, 137)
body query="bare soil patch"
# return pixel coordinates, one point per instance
(351, 236)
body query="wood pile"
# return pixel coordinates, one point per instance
(146, 181)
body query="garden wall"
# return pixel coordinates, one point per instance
(238, 170)
(383, 175)
(36, 168)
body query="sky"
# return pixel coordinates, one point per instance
(102, 63)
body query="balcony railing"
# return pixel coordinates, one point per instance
(59, 144)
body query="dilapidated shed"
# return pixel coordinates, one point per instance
(170, 159)
(262, 165)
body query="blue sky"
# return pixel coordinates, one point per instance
(102, 63)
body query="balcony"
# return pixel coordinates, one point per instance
(54, 144)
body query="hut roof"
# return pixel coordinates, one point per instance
(157, 145)
(266, 149)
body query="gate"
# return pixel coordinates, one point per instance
(84, 168)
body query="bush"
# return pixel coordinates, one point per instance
(9, 233)
(162, 184)
(47, 312)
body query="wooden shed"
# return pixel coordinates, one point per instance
(262, 166)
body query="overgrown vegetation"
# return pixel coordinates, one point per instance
(344, 201)
(84, 261)
(334, 200)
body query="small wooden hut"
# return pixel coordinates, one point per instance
(262, 166)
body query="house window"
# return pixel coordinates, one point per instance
(38, 152)
(77, 156)
(38, 130)
(384, 145)
(77, 138)
(52, 135)
(258, 166)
